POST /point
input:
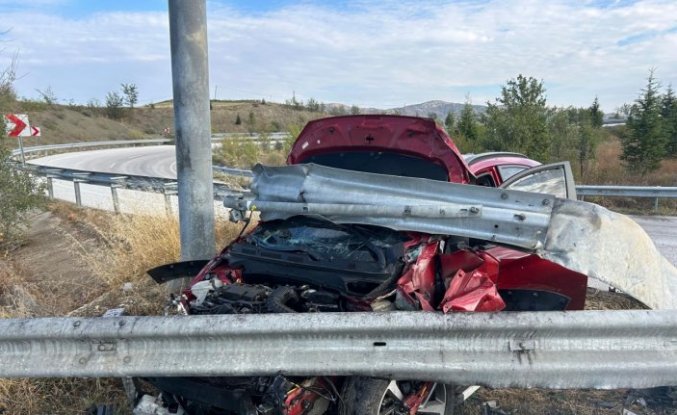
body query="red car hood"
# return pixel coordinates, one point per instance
(389, 144)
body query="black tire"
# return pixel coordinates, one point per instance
(370, 396)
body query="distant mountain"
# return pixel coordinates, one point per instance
(425, 109)
(437, 107)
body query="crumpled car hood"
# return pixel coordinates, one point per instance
(581, 236)
(376, 133)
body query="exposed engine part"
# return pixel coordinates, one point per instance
(386, 302)
(349, 259)
(274, 397)
(320, 300)
(149, 405)
(202, 288)
(248, 298)
(281, 298)
(233, 299)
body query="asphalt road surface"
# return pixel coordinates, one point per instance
(160, 161)
(663, 232)
(151, 161)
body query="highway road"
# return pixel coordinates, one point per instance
(663, 232)
(151, 161)
(159, 161)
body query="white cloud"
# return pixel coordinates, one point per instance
(377, 54)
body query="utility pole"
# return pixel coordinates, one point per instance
(192, 124)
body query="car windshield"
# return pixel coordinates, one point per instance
(323, 239)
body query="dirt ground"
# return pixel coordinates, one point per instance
(52, 274)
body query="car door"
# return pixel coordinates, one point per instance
(556, 179)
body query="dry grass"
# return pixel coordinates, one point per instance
(608, 300)
(130, 245)
(241, 152)
(573, 402)
(66, 124)
(609, 170)
(66, 396)
(117, 249)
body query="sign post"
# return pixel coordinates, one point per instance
(17, 125)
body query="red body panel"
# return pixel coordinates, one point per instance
(523, 271)
(419, 137)
(490, 165)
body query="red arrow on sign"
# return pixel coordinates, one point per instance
(35, 132)
(18, 125)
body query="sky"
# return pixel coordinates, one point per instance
(381, 54)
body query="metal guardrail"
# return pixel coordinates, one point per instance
(276, 136)
(168, 186)
(87, 144)
(583, 349)
(654, 192)
(627, 191)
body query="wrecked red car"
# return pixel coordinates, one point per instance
(309, 264)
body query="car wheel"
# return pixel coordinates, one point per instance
(371, 396)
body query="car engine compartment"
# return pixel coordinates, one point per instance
(306, 265)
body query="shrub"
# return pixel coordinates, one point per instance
(19, 194)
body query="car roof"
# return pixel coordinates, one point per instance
(472, 158)
(479, 163)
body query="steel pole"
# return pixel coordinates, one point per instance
(190, 81)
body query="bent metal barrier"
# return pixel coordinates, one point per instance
(580, 349)
(168, 186)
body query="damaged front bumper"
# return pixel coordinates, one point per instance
(580, 236)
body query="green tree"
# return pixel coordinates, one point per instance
(450, 122)
(596, 115)
(312, 105)
(48, 96)
(131, 93)
(238, 120)
(240, 151)
(294, 103)
(573, 136)
(251, 123)
(355, 110)
(669, 115)
(467, 123)
(644, 140)
(563, 134)
(114, 103)
(19, 193)
(518, 119)
(588, 136)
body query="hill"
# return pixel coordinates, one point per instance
(439, 108)
(71, 123)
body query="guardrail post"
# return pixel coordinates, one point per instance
(169, 190)
(190, 82)
(116, 183)
(50, 175)
(77, 179)
(50, 187)
(655, 205)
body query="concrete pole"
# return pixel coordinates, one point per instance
(192, 124)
